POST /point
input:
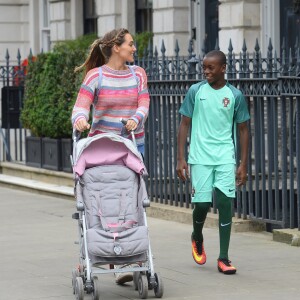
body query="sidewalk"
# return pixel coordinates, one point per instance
(38, 253)
(60, 184)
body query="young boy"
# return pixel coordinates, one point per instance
(214, 107)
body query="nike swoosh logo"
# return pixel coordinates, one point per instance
(202, 99)
(199, 222)
(231, 190)
(225, 224)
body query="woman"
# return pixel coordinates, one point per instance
(115, 90)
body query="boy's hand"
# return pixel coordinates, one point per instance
(182, 170)
(241, 175)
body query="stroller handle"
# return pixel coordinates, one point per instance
(76, 135)
(124, 122)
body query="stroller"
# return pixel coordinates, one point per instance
(111, 201)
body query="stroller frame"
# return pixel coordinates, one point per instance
(85, 276)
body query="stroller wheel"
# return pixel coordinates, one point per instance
(143, 286)
(75, 273)
(136, 280)
(96, 289)
(79, 288)
(159, 288)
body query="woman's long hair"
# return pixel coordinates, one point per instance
(100, 50)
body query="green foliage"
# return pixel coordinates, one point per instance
(142, 40)
(51, 88)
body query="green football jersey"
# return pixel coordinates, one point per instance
(214, 114)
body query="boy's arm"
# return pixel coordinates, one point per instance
(244, 144)
(182, 167)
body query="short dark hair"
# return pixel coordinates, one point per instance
(219, 54)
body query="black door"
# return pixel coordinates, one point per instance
(211, 24)
(289, 23)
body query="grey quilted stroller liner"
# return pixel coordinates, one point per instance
(111, 201)
(116, 232)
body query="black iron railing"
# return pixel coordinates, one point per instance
(271, 86)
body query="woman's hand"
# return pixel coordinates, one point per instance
(131, 125)
(81, 125)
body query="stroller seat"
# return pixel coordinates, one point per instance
(114, 215)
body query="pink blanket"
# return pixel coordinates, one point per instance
(107, 152)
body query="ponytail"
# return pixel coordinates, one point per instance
(95, 58)
(101, 49)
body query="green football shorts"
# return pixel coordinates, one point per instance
(207, 177)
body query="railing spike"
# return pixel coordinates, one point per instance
(230, 48)
(203, 48)
(270, 46)
(7, 55)
(298, 62)
(177, 49)
(275, 63)
(256, 48)
(163, 48)
(217, 44)
(190, 48)
(244, 48)
(296, 43)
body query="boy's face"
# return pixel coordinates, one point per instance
(214, 71)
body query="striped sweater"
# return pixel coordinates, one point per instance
(121, 95)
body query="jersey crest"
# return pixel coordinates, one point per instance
(225, 102)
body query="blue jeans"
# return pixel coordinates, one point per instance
(141, 149)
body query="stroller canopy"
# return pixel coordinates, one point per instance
(106, 149)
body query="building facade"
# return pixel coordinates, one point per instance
(39, 24)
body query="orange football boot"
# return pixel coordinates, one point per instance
(225, 266)
(198, 252)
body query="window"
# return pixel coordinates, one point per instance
(289, 23)
(89, 16)
(45, 25)
(143, 15)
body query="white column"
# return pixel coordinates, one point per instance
(200, 28)
(239, 20)
(34, 26)
(109, 15)
(270, 17)
(128, 15)
(171, 23)
(76, 18)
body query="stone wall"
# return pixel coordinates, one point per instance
(171, 23)
(21, 23)
(239, 20)
(115, 14)
(14, 28)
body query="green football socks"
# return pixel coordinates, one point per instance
(199, 215)
(225, 220)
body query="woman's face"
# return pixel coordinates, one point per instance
(126, 49)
